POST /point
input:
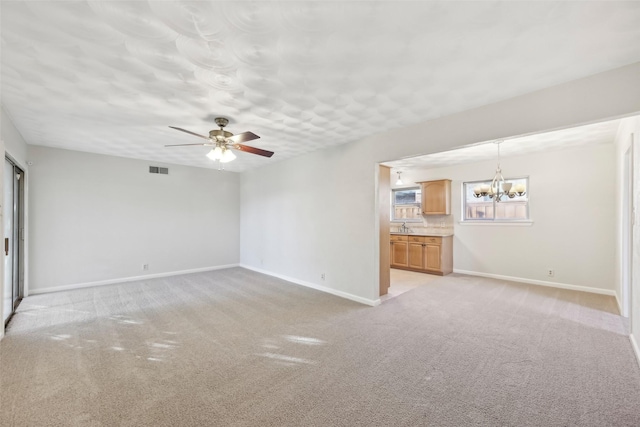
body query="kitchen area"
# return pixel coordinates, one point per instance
(421, 234)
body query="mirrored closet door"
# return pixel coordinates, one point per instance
(13, 231)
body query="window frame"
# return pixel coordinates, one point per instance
(393, 205)
(492, 221)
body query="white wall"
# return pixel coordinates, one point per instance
(572, 208)
(298, 221)
(99, 218)
(318, 213)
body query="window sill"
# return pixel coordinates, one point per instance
(527, 223)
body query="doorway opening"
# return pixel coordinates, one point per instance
(627, 227)
(393, 281)
(13, 216)
(469, 228)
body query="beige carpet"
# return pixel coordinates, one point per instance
(237, 348)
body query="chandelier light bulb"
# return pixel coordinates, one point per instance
(227, 156)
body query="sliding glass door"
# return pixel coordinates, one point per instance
(13, 226)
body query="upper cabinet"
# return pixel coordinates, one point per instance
(436, 197)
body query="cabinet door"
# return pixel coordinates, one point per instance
(436, 197)
(399, 254)
(416, 258)
(432, 257)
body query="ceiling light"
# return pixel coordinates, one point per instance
(222, 153)
(499, 187)
(215, 154)
(399, 181)
(227, 156)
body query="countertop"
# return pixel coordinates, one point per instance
(431, 234)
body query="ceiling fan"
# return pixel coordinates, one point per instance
(223, 142)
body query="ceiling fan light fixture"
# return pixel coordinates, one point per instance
(227, 156)
(222, 142)
(215, 154)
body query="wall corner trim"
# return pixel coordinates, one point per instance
(619, 303)
(331, 291)
(539, 282)
(127, 279)
(636, 349)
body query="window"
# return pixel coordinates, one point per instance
(406, 204)
(488, 209)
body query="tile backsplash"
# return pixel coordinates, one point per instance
(429, 224)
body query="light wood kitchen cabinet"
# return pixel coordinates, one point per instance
(399, 251)
(438, 254)
(426, 254)
(436, 197)
(416, 256)
(432, 257)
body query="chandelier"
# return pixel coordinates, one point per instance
(499, 187)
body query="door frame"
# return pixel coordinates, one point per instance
(20, 221)
(384, 223)
(627, 232)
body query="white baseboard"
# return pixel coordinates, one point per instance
(634, 345)
(331, 291)
(539, 282)
(127, 279)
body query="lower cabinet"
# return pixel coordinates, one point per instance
(399, 253)
(416, 255)
(428, 254)
(433, 257)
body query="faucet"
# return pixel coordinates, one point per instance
(404, 228)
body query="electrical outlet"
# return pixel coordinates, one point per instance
(145, 266)
(550, 272)
(322, 276)
(442, 224)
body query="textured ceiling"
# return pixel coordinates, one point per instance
(111, 76)
(582, 136)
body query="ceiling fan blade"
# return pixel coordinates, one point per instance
(242, 137)
(182, 145)
(253, 150)
(188, 131)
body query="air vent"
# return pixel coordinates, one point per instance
(157, 169)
